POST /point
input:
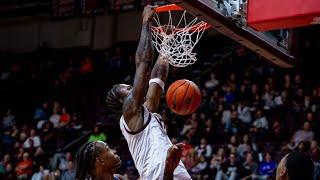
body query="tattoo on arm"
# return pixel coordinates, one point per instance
(143, 62)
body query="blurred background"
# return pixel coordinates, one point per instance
(58, 58)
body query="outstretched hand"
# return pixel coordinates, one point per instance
(173, 157)
(148, 13)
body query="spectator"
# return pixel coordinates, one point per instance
(63, 165)
(276, 133)
(246, 146)
(48, 137)
(267, 97)
(7, 140)
(41, 174)
(97, 135)
(32, 141)
(8, 120)
(64, 118)
(19, 154)
(76, 124)
(226, 118)
(186, 127)
(204, 149)
(250, 167)
(55, 118)
(56, 107)
(86, 66)
(212, 82)
(229, 95)
(244, 113)
(234, 125)
(15, 131)
(40, 158)
(41, 112)
(315, 124)
(261, 121)
(70, 173)
(200, 167)
(6, 160)
(60, 161)
(315, 151)
(208, 133)
(24, 133)
(9, 172)
(233, 142)
(24, 167)
(267, 168)
(230, 170)
(304, 147)
(217, 160)
(305, 134)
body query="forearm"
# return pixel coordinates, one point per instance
(144, 51)
(161, 69)
(168, 174)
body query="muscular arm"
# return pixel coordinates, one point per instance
(160, 70)
(131, 110)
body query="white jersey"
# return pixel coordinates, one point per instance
(149, 147)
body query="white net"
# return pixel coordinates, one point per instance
(176, 42)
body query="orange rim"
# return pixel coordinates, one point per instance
(169, 7)
(174, 7)
(192, 29)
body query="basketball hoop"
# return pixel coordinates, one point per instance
(177, 40)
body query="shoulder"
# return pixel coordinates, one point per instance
(136, 124)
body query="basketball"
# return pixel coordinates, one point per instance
(183, 97)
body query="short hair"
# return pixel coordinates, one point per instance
(299, 166)
(113, 100)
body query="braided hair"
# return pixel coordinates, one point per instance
(113, 100)
(85, 159)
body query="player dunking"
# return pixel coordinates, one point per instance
(142, 128)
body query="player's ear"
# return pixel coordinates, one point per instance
(283, 172)
(99, 161)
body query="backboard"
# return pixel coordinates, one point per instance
(229, 19)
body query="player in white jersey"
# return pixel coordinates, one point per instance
(142, 128)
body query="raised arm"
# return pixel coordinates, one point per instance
(158, 77)
(132, 105)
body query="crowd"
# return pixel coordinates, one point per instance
(46, 112)
(252, 113)
(247, 122)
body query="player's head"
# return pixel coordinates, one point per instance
(94, 159)
(295, 166)
(116, 96)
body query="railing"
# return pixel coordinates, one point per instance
(75, 142)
